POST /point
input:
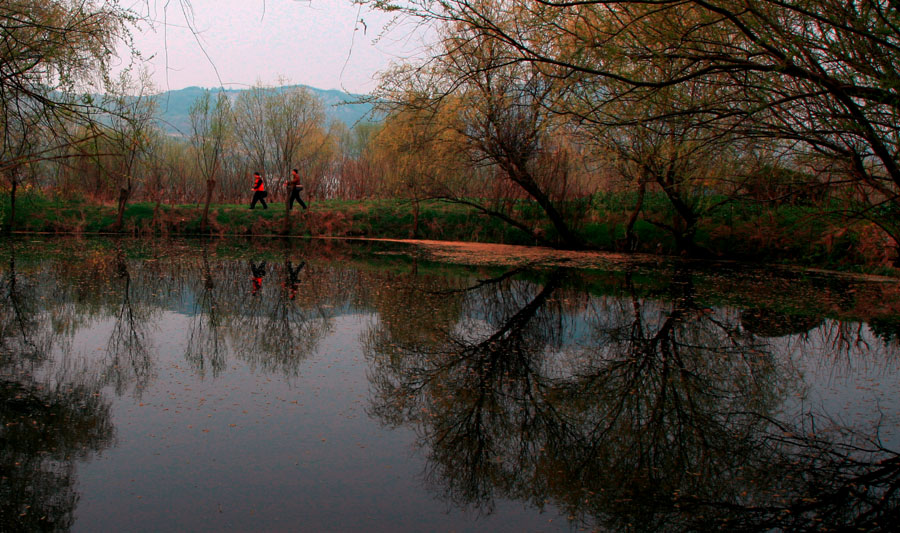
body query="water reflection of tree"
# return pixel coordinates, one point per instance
(471, 387)
(281, 323)
(663, 416)
(888, 329)
(205, 345)
(45, 430)
(20, 326)
(811, 475)
(662, 402)
(129, 360)
(48, 420)
(412, 308)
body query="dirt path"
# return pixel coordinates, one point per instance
(474, 253)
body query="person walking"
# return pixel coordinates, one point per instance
(294, 189)
(259, 191)
(292, 284)
(257, 273)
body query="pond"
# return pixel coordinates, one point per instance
(285, 385)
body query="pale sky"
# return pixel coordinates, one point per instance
(320, 43)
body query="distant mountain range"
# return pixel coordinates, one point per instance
(174, 107)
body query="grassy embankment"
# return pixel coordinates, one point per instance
(749, 231)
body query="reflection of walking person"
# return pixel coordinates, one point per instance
(257, 272)
(292, 284)
(259, 191)
(294, 189)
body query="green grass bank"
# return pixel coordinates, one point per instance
(790, 234)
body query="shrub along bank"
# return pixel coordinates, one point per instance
(795, 234)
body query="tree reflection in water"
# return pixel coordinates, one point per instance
(472, 387)
(626, 406)
(129, 359)
(277, 329)
(629, 412)
(48, 419)
(52, 412)
(205, 345)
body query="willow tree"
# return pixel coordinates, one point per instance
(210, 123)
(687, 140)
(416, 154)
(128, 134)
(356, 175)
(51, 51)
(819, 76)
(21, 134)
(501, 117)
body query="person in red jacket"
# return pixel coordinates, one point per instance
(259, 191)
(257, 273)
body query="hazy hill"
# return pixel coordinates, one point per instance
(174, 107)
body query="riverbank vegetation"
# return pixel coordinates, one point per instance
(750, 231)
(769, 133)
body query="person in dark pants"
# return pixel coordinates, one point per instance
(292, 284)
(294, 187)
(257, 273)
(259, 191)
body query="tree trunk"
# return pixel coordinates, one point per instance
(630, 237)
(124, 193)
(685, 225)
(684, 240)
(567, 237)
(12, 206)
(896, 252)
(156, 222)
(415, 228)
(204, 221)
(286, 229)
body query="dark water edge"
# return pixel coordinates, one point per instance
(284, 385)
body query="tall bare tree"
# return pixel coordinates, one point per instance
(131, 117)
(210, 122)
(293, 116)
(249, 113)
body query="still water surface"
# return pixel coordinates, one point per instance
(323, 386)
